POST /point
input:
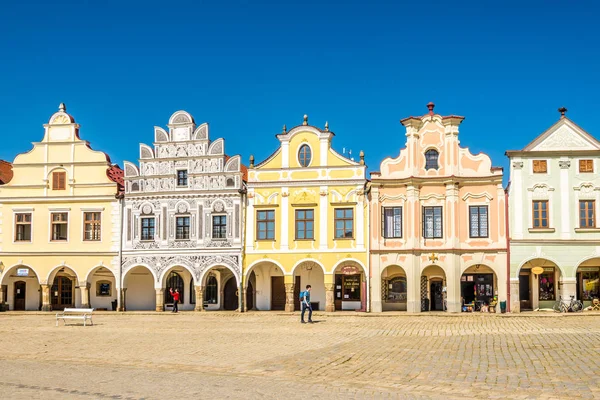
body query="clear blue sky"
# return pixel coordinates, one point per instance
(247, 68)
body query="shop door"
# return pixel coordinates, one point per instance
(250, 297)
(230, 295)
(277, 293)
(297, 289)
(19, 296)
(525, 292)
(62, 293)
(437, 303)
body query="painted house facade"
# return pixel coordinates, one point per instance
(306, 224)
(437, 221)
(554, 197)
(60, 224)
(183, 221)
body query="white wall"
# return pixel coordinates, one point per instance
(316, 279)
(141, 294)
(263, 273)
(32, 290)
(102, 301)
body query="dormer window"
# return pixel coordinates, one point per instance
(304, 155)
(431, 159)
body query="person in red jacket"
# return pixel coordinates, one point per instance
(175, 295)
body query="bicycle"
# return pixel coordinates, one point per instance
(567, 306)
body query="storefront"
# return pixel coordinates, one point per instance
(394, 293)
(349, 291)
(477, 289)
(588, 284)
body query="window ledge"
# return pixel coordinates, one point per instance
(583, 230)
(541, 230)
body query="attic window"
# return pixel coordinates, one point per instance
(304, 155)
(540, 166)
(431, 159)
(586, 165)
(59, 180)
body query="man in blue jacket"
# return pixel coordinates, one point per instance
(305, 299)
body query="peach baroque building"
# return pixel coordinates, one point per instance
(437, 223)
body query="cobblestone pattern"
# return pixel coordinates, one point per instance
(267, 355)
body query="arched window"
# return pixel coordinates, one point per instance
(210, 293)
(135, 187)
(175, 281)
(304, 155)
(230, 182)
(431, 159)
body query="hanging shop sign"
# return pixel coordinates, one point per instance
(22, 271)
(537, 270)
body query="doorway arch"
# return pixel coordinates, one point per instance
(433, 285)
(394, 288)
(230, 295)
(138, 285)
(33, 293)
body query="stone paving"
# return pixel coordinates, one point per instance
(271, 355)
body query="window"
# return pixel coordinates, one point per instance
(182, 178)
(349, 287)
(432, 222)
(478, 221)
(540, 166)
(210, 293)
(396, 290)
(546, 282)
(540, 214)
(59, 180)
(392, 222)
(23, 227)
(91, 226)
(265, 225)
(230, 182)
(344, 223)
(148, 228)
(60, 226)
(219, 226)
(305, 224)
(587, 214)
(182, 228)
(304, 155)
(431, 159)
(588, 284)
(174, 281)
(586, 165)
(103, 289)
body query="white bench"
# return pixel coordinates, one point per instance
(75, 313)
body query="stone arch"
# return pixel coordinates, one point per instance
(97, 299)
(394, 298)
(30, 300)
(128, 269)
(350, 261)
(473, 263)
(182, 207)
(140, 294)
(54, 271)
(204, 273)
(438, 265)
(304, 260)
(165, 272)
(540, 257)
(5, 273)
(256, 263)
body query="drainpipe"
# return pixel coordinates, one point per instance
(507, 247)
(242, 301)
(368, 241)
(121, 198)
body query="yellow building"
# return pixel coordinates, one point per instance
(306, 223)
(59, 224)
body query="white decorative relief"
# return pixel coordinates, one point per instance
(565, 138)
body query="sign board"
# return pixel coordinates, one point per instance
(537, 270)
(22, 271)
(349, 270)
(588, 269)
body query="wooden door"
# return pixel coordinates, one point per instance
(62, 293)
(277, 293)
(19, 296)
(525, 292)
(230, 295)
(297, 288)
(437, 303)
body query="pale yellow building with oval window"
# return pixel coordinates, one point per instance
(60, 224)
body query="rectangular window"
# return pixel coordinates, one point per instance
(344, 223)
(587, 214)
(478, 221)
(148, 228)
(182, 178)
(540, 166)
(265, 225)
(91, 226)
(586, 165)
(60, 226)
(546, 283)
(59, 180)
(182, 228)
(432, 222)
(392, 222)
(589, 285)
(540, 214)
(23, 227)
(305, 224)
(219, 227)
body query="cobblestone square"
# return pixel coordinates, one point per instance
(271, 355)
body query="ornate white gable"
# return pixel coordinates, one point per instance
(564, 136)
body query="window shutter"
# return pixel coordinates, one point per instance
(383, 222)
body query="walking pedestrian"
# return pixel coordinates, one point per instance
(175, 295)
(305, 299)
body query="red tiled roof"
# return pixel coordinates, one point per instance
(116, 174)
(6, 172)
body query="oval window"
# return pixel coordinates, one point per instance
(304, 155)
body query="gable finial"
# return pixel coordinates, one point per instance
(362, 157)
(284, 129)
(62, 107)
(251, 161)
(305, 120)
(562, 112)
(430, 106)
(326, 126)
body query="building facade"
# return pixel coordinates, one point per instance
(437, 221)
(306, 223)
(183, 221)
(554, 195)
(59, 224)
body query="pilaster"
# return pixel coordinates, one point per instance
(515, 303)
(289, 297)
(160, 299)
(199, 298)
(329, 300)
(46, 306)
